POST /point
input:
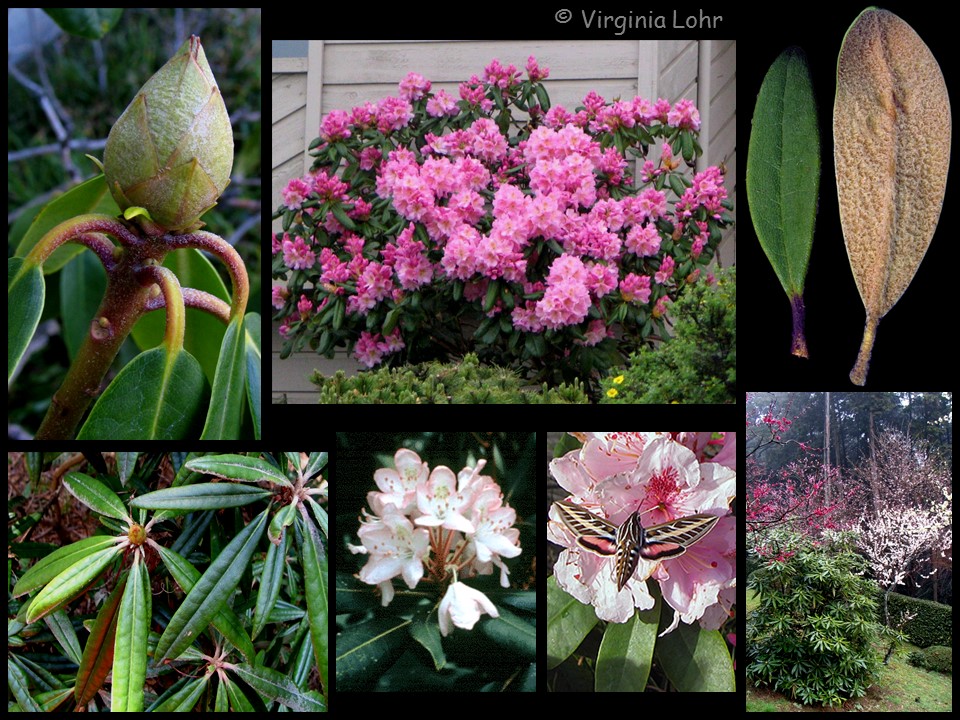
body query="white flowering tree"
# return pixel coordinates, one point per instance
(907, 517)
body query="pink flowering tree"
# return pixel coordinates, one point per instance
(675, 592)
(432, 225)
(435, 549)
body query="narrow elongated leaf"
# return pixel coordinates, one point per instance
(95, 495)
(58, 561)
(155, 397)
(126, 464)
(891, 133)
(184, 699)
(71, 582)
(251, 324)
(98, 652)
(63, 631)
(226, 620)
(130, 645)
(315, 581)
(25, 290)
(202, 496)
(238, 467)
(229, 387)
(783, 176)
(270, 580)
(279, 687)
(211, 592)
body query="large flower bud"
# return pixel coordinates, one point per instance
(171, 151)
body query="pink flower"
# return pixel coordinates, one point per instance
(296, 191)
(462, 606)
(398, 487)
(684, 115)
(441, 503)
(643, 240)
(297, 256)
(535, 72)
(414, 86)
(442, 103)
(335, 126)
(393, 113)
(567, 299)
(501, 77)
(280, 296)
(667, 266)
(636, 288)
(616, 474)
(395, 548)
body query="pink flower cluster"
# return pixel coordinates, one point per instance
(439, 524)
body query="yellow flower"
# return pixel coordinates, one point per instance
(612, 393)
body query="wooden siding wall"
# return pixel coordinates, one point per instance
(342, 74)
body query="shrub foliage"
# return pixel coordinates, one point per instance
(813, 635)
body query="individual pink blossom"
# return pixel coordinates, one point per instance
(305, 307)
(297, 256)
(499, 76)
(643, 240)
(393, 113)
(684, 115)
(335, 126)
(535, 72)
(280, 296)
(442, 104)
(369, 157)
(296, 191)
(414, 86)
(367, 351)
(462, 606)
(398, 485)
(635, 288)
(440, 502)
(567, 299)
(667, 266)
(395, 546)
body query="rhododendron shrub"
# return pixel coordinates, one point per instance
(431, 225)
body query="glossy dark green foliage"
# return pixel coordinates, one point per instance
(189, 602)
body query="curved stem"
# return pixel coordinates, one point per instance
(173, 297)
(74, 228)
(198, 300)
(101, 246)
(122, 305)
(203, 240)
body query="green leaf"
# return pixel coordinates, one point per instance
(91, 23)
(95, 495)
(98, 652)
(513, 633)
(315, 584)
(62, 628)
(59, 560)
(238, 467)
(157, 396)
(91, 196)
(696, 660)
(251, 324)
(226, 620)
(364, 649)
(426, 631)
(783, 176)
(71, 582)
(229, 386)
(184, 699)
(25, 290)
(270, 580)
(130, 645)
(279, 687)
(211, 592)
(202, 496)
(626, 653)
(568, 622)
